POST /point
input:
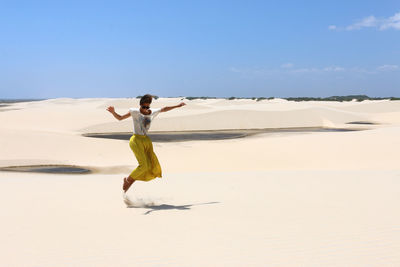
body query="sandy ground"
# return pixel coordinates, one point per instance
(297, 199)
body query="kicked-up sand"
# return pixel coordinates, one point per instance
(280, 197)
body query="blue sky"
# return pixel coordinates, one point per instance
(199, 48)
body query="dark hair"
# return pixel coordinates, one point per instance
(146, 99)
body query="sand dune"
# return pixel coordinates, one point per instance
(51, 131)
(271, 199)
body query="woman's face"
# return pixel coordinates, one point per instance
(145, 108)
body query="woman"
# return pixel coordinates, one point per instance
(141, 145)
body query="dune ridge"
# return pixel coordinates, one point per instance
(271, 199)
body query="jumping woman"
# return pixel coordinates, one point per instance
(141, 145)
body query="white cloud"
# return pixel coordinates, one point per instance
(314, 70)
(388, 67)
(233, 69)
(287, 65)
(392, 22)
(334, 68)
(332, 27)
(305, 70)
(288, 68)
(372, 22)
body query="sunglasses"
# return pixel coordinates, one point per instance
(145, 107)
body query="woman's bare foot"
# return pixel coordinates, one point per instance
(128, 181)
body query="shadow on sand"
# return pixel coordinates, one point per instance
(153, 207)
(178, 136)
(59, 169)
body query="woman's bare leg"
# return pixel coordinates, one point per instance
(128, 181)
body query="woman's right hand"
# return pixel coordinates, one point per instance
(111, 109)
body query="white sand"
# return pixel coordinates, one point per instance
(298, 199)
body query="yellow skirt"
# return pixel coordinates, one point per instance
(149, 167)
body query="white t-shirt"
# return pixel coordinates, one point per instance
(141, 123)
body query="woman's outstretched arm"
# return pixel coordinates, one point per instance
(116, 115)
(165, 109)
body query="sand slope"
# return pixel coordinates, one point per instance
(266, 218)
(276, 199)
(51, 131)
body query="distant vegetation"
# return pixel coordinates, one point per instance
(154, 96)
(358, 98)
(18, 100)
(199, 97)
(264, 98)
(228, 98)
